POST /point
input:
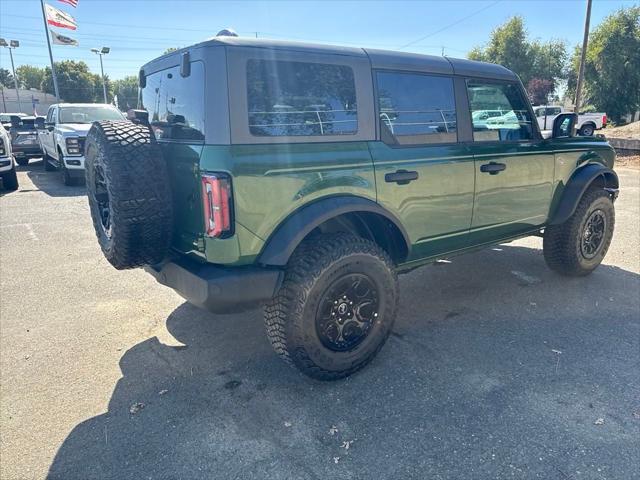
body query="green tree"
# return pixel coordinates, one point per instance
(75, 81)
(509, 46)
(30, 76)
(6, 78)
(170, 49)
(612, 66)
(127, 91)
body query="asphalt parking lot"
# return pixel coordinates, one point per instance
(497, 368)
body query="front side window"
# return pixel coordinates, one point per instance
(175, 103)
(416, 109)
(499, 112)
(288, 98)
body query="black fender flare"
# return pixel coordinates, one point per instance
(578, 184)
(299, 224)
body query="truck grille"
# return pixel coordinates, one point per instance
(81, 144)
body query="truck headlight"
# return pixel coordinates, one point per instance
(3, 151)
(73, 146)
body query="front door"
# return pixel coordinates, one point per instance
(514, 167)
(423, 175)
(47, 134)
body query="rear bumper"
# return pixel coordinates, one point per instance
(218, 289)
(26, 151)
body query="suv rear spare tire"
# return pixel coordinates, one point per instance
(129, 193)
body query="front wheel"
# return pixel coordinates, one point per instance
(576, 247)
(336, 306)
(48, 166)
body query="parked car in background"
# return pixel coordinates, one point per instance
(65, 129)
(587, 124)
(24, 139)
(5, 118)
(7, 164)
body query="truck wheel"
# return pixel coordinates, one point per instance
(336, 306)
(10, 180)
(48, 166)
(587, 130)
(129, 193)
(22, 161)
(576, 247)
(66, 176)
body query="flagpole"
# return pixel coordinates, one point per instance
(53, 68)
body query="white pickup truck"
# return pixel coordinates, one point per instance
(587, 124)
(64, 131)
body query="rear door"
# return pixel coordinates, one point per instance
(513, 165)
(424, 174)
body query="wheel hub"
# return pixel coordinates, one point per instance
(593, 234)
(103, 201)
(347, 312)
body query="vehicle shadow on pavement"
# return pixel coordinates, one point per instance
(497, 368)
(50, 182)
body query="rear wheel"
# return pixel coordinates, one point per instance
(10, 180)
(579, 245)
(336, 306)
(587, 130)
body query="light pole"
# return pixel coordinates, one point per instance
(11, 45)
(100, 53)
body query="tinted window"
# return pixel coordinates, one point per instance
(416, 109)
(299, 98)
(499, 112)
(176, 104)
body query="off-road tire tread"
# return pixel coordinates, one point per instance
(140, 193)
(307, 264)
(559, 240)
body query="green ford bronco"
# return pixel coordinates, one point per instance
(306, 177)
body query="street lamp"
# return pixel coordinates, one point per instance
(100, 52)
(11, 45)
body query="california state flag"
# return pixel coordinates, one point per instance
(58, 18)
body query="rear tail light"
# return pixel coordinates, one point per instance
(604, 120)
(216, 203)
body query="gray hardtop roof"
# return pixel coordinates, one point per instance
(381, 59)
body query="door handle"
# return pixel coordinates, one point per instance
(493, 168)
(401, 177)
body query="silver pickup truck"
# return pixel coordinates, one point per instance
(64, 132)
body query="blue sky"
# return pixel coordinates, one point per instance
(139, 30)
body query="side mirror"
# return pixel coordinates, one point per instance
(138, 116)
(49, 126)
(564, 125)
(39, 123)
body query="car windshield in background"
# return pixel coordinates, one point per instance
(88, 114)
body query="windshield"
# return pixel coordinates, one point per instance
(89, 114)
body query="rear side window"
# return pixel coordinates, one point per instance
(416, 109)
(287, 98)
(499, 112)
(175, 103)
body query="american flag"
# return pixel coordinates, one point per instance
(73, 3)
